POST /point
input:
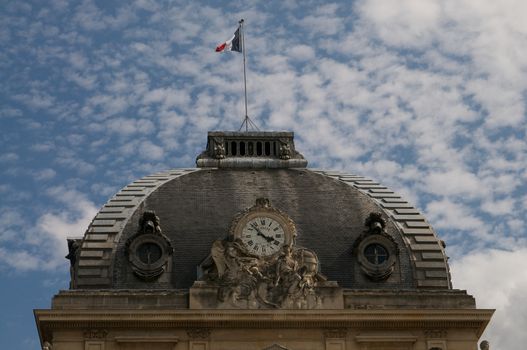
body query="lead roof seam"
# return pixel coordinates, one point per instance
(148, 184)
(390, 206)
(86, 264)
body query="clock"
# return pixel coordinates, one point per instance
(263, 236)
(263, 230)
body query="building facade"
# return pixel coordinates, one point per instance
(252, 250)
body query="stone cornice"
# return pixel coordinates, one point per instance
(476, 319)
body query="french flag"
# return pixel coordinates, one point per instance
(233, 44)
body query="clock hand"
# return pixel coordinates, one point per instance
(259, 233)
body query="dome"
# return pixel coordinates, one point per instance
(364, 236)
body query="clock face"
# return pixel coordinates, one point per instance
(263, 235)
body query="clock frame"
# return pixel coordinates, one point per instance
(263, 230)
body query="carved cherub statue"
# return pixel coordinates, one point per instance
(217, 252)
(285, 151)
(286, 266)
(149, 223)
(219, 151)
(375, 223)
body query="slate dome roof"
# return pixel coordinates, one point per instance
(196, 206)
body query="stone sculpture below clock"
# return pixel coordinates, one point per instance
(258, 265)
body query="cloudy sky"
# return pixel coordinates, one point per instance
(426, 96)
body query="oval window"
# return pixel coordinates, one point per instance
(149, 252)
(376, 254)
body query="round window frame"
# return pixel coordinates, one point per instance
(377, 272)
(153, 269)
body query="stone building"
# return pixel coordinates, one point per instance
(251, 251)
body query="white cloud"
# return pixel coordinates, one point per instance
(169, 97)
(449, 215)
(407, 23)
(107, 105)
(487, 34)
(129, 126)
(43, 147)
(10, 112)
(10, 218)
(499, 207)
(147, 5)
(454, 182)
(90, 17)
(323, 21)
(497, 281)
(426, 96)
(83, 80)
(36, 99)
(19, 259)
(150, 151)
(9, 157)
(70, 222)
(301, 53)
(503, 103)
(45, 174)
(28, 245)
(69, 160)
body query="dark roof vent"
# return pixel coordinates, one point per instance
(250, 149)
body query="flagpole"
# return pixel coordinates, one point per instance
(244, 74)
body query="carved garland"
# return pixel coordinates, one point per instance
(95, 334)
(435, 333)
(198, 333)
(336, 333)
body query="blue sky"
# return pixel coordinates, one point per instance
(426, 96)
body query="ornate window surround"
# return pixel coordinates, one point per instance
(377, 272)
